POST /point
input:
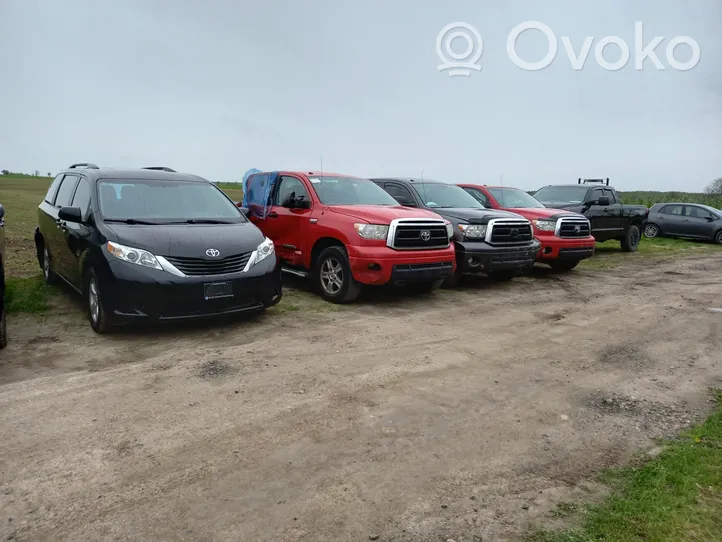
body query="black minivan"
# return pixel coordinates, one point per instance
(153, 244)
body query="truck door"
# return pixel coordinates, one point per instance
(287, 223)
(602, 224)
(615, 211)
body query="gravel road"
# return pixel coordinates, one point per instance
(463, 415)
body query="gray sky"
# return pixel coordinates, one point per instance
(221, 86)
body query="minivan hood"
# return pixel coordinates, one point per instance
(189, 240)
(474, 216)
(381, 214)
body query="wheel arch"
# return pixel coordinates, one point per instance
(322, 244)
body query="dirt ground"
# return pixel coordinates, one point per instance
(465, 415)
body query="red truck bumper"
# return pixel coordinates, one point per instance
(554, 248)
(381, 265)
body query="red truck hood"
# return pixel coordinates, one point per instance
(535, 213)
(381, 214)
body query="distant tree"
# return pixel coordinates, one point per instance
(715, 187)
(50, 174)
(5, 172)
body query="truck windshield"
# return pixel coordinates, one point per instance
(513, 198)
(445, 196)
(561, 194)
(349, 191)
(163, 201)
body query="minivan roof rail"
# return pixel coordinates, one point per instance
(84, 164)
(160, 168)
(590, 181)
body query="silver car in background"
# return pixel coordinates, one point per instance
(686, 220)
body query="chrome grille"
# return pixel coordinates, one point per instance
(417, 234)
(201, 266)
(509, 231)
(571, 227)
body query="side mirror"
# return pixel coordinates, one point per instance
(2, 212)
(245, 210)
(603, 201)
(709, 218)
(302, 203)
(70, 214)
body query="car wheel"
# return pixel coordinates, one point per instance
(3, 329)
(97, 311)
(503, 276)
(48, 274)
(651, 231)
(630, 242)
(563, 265)
(333, 278)
(718, 237)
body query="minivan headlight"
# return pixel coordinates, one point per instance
(372, 231)
(263, 251)
(137, 256)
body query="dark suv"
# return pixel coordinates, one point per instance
(3, 323)
(153, 244)
(498, 243)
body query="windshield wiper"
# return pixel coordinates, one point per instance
(132, 221)
(203, 221)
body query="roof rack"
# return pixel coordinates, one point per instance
(84, 164)
(160, 168)
(591, 181)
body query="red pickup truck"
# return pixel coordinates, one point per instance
(344, 232)
(565, 236)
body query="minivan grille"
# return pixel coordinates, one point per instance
(510, 232)
(419, 235)
(572, 227)
(200, 266)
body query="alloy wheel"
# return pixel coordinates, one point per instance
(651, 231)
(331, 276)
(46, 263)
(93, 300)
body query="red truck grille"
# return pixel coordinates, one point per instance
(411, 234)
(571, 227)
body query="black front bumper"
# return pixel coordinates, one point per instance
(581, 253)
(480, 257)
(421, 272)
(132, 293)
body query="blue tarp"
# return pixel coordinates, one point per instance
(257, 191)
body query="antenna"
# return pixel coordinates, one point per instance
(424, 187)
(322, 163)
(501, 182)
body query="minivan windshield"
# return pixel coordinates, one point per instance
(153, 201)
(349, 191)
(561, 194)
(513, 198)
(445, 196)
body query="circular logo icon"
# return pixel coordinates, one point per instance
(213, 253)
(459, 63)
(425, 235)
(577, 229)
(514, 233)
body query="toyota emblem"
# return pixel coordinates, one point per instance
(213, 253)
(577, 229)
(514, 233)
(425, 235)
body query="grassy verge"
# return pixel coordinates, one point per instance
(676, 496)
(29, 295)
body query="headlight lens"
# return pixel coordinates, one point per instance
(263, 251)
(449, 230)
(545, 225)
(133, 255)
(473, 231)
(372, 231)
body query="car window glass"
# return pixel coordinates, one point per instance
(610, 195)
(697, 212)
(672, 210)
(400, 194)
(288, 186)
(82, 197)
(65, 193)
(479, 196)
(50, 196)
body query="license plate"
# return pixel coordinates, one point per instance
(214, 290)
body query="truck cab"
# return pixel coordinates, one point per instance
(565, 236)
(344, 232)
(600, 203)
(497, 243)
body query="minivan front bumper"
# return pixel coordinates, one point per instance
(135, 293)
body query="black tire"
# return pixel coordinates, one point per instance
(3, 329)
(651, 231)
(98, 315)
(563, 265)
(503, 276)
(718, 237)
(452, 281)
(426, 287)
(630, 241)
(48, 274)
(332, 276)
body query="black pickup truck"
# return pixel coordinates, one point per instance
(599, 202)
(497, 243)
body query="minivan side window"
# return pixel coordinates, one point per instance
(50, 196)
(82, 197)
(65, 194)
